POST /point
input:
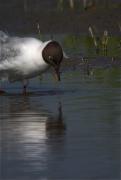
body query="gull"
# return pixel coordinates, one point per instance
(22, 58)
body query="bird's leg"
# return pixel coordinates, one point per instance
(25, 84)
(1, 91)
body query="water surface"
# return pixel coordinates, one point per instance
(67, 130)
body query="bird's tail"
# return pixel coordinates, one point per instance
(3, 37)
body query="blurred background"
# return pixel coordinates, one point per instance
(59, 16)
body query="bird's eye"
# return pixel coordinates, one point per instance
(50, 57)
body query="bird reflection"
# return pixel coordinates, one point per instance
(28, 131)
(23, 109)
(56, 126)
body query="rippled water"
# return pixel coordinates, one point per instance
(67, 130)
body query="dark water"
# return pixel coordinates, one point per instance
(67, 130)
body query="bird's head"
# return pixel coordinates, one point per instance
(53, 55)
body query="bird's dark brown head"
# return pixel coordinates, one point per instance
(53, 55)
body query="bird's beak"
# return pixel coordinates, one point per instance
(57, 74)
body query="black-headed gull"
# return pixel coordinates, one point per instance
(25, 58)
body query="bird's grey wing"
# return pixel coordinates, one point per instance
(9, 50)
